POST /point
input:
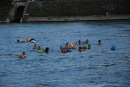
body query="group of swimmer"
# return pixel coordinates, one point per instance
(27, 40)
(32, 40)
(39, 48)
(67, 48)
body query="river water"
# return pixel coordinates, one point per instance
(97, 67)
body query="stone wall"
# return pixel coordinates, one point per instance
(61, 8)
(5, 7)
(79, 8)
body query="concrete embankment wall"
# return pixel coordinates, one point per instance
(79, 18)
(67, 10)
(79, 8)
(5, 7)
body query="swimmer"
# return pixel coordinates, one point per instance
(79, 42)
(35, 46)
(81, 49)
(39, 48)
(99, 42)
(73, 47)
(89, 46)
(85, 42)
(23, 55)
(67, 45)
(63, 50)
(46, 50)
(18, 41)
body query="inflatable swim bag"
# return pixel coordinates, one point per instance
(40, 51)
(69, 50)
(113, 48)
(84, 47)
(33, 41)
(71, 45)
(27, 40)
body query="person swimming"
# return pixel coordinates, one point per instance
(99, 42)
(63, 50)
(67, 45)
(23, 55)
(18, 41)
(46, 50)
(85, 42)
(35, 46)
(39, 48)
(79, 42)
(81, 49)
(32, 39)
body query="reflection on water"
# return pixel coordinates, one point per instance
(98, 67)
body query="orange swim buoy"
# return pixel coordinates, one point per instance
(27, 40)
(71, 45)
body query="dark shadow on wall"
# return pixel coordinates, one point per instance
(18, 14)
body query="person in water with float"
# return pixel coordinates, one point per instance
(26, 40)
(71, 46)
(64, 50)
(35, 46)
(81, 49)
(67, 46)
(23, 55)
(39, 48)
(32, 40)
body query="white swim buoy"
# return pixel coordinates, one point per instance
(33, 41)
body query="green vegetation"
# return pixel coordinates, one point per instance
(5, 6)
(81, 8)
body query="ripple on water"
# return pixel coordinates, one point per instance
(98, 67)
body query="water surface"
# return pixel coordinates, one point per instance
(98, 67)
